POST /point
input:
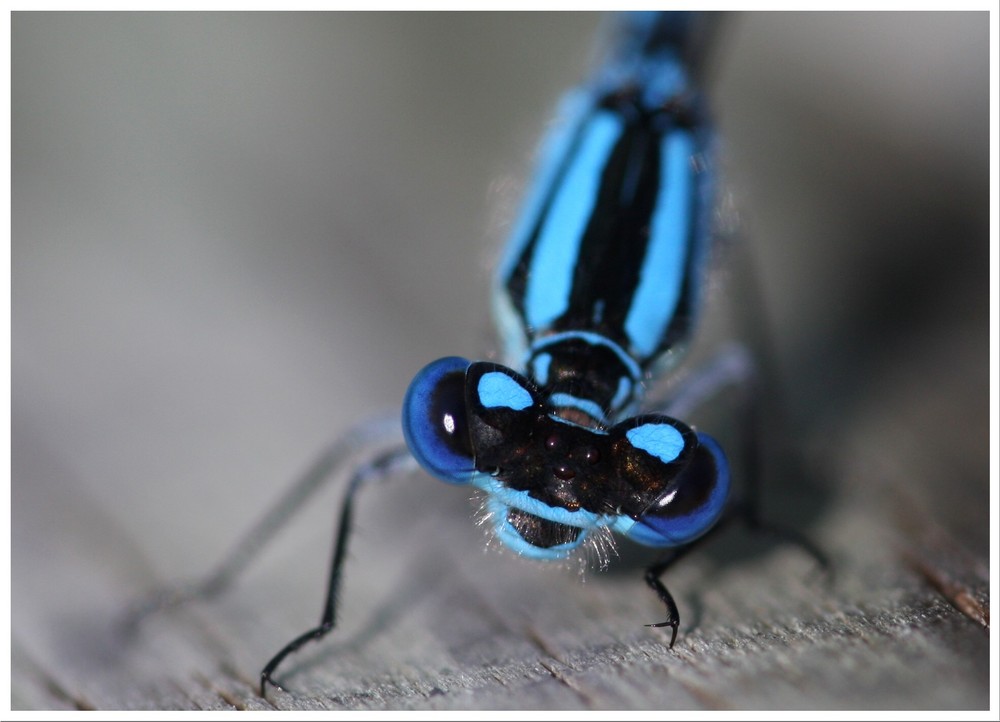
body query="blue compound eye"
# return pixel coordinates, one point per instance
(690, 505)
(435, 423)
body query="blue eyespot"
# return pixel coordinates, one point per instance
(692, 504)
(662, 440)
(435, 423)
(498, 389)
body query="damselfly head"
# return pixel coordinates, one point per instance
(549, 480)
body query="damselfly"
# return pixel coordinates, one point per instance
(597, 294)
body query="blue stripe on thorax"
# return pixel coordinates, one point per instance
(665, 265)
(550, 278)
(552, 155)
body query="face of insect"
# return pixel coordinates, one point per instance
(551, 481)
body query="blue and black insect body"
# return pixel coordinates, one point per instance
(596, 295)
(597, 292)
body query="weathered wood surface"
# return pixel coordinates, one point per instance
(234, 235)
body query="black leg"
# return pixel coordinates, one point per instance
(369, 436)
(653, 574)
(655, 571)
(383, 465)
(745, 511)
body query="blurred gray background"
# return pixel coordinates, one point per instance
(233, 235)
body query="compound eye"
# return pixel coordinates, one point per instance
(691, 504)
(435, 420)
